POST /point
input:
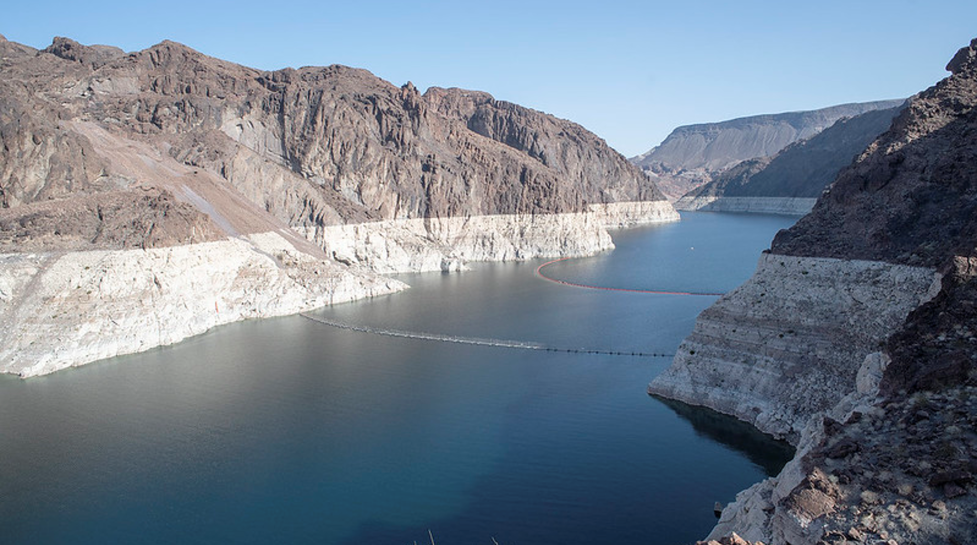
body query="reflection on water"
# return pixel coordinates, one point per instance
(762, 449)
(289, 431)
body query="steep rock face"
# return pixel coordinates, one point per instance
(692, 155)
(874, 466)
(934, 349)
(780, 348)
(579, 156)
(800, 171)
(344, 145)
(909, 198)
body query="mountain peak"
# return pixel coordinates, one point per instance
(965, 59)
(92, 55)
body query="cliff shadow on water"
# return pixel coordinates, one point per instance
(761, 449)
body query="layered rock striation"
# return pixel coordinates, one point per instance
(874, 377)
(63, 309)
(780, 348)
(159, 160)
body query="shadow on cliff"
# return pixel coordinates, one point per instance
(761, 449)
(908, 203)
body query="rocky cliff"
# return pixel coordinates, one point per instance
(156, 161)
(792, 179)
(692, 155)
(877, 346)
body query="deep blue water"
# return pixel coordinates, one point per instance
(288, 431)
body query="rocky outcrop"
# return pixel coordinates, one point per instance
(732, 539)
(159, 160)
(693, 154)
(779, 349)
(801, 171)
(871, 472)
(94, 56)
(909, 198)
(888, 357)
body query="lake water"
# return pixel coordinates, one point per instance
(290, 431)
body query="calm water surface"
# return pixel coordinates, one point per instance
(288, 431)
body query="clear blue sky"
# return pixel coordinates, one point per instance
(629, 71)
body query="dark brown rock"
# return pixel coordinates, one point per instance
(93, 56)
(953, 490)
(144, 219)
(955, 476)
(910, 197)
(843, 448)
(311, 147)
(965, 59)
(934, 350)
(831, 426)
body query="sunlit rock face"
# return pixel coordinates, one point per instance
(149, 196)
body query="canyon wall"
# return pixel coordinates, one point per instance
(780, 348)
(139, 192)
(853, 341)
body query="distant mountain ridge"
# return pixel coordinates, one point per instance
(800, 171)
(692, 154)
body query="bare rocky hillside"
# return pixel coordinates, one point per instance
(802, 169)
(693, 155)
(306, 148)
(146, 197)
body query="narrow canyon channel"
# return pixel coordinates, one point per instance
(294, 431)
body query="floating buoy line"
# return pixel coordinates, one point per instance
(498, 343)
(539, 273)
(504, 343)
